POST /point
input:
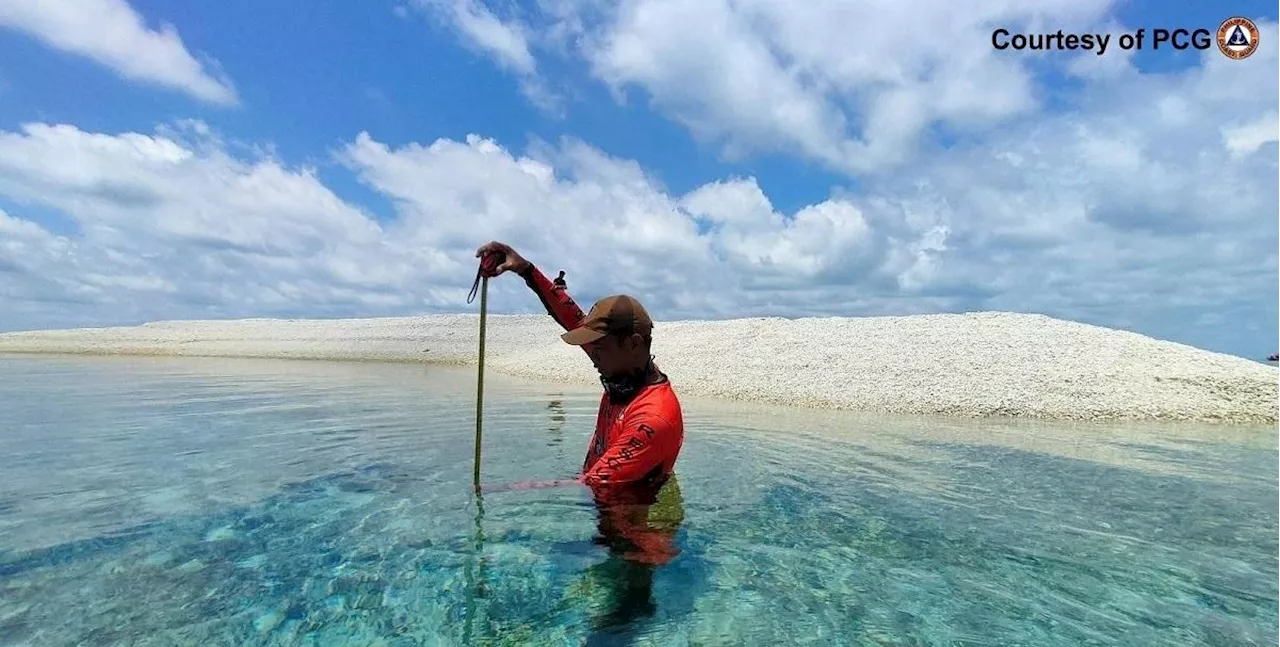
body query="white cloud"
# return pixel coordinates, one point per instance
(503, 40)
(165, 226)
(1247, 138)
(506, 41)
(115, 35)
(756, 241)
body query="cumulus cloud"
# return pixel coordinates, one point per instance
(115, 35)
(168, 226)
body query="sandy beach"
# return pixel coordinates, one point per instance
(971, 365)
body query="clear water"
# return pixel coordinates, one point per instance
(254, 502)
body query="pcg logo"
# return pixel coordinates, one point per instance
(1238, 38)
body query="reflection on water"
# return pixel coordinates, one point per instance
(186, 501)
(641, 538)
(556, 429)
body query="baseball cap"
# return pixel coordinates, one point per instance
(613, 315)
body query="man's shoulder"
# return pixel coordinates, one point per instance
(659, 404)
(663, 393)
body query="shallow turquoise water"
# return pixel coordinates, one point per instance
(253, 502)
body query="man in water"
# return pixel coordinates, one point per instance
(632, 455)
(639, 427)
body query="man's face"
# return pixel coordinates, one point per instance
(611, 354)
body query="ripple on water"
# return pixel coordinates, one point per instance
(315, 503)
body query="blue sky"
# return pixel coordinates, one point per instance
(718, 160)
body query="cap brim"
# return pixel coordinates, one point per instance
(581, 335)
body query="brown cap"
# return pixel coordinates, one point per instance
(618, 314)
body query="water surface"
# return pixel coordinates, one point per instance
(152, 501)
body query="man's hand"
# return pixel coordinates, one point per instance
(513, 261)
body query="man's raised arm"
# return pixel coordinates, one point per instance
(554, 298)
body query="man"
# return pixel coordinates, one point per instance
(632, 455)
(559, 282)
(639, 427)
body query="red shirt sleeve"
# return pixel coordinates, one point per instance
(554, 298)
